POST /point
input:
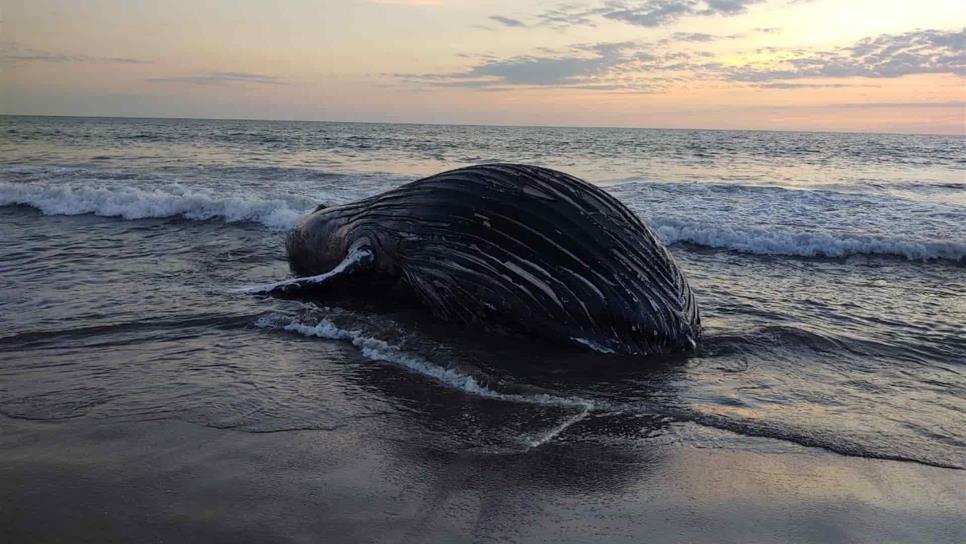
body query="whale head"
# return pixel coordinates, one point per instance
(319, 242)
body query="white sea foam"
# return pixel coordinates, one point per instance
(806, 244)
(380, 350)
(535, 440)
(167, 201)
(746, 220)
(806, 223)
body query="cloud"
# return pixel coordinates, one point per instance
(611, 66)
(654, 13)
(408, 2)
(884, 56)
(875, 105)
(578, 66)
(696, 37)
(647, 13)
(14, 54)
(527, 70)
(220, 78)
(784, 85)
(663, 12)
(567, 15)
(507, 21)
(691, 37)
(858, 106)
(649, 67)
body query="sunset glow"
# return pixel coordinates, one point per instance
(847, 65)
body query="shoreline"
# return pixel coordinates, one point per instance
(108, 481)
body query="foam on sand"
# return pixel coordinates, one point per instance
(380, 350)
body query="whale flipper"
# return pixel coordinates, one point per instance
(358, 260)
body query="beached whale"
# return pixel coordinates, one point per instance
(522, 247)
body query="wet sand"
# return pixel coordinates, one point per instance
(164, 481)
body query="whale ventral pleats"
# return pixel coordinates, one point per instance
(520, 246)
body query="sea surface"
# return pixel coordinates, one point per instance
(830, 271)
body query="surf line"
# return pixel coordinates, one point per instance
(380, 350)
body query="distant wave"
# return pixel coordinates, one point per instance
(766, 220)
(282, 213)
(170, 201)
(806, 244)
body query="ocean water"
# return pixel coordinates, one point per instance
(830, 270)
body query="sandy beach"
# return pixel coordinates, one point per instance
(145, 396)
(82, 481)
(441, 271)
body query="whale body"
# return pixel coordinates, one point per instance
(522, 247)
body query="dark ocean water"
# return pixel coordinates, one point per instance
(830, 270)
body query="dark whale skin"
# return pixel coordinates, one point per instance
(525, 247)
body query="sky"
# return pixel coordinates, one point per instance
(823, 65)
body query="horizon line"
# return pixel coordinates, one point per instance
(493, 125)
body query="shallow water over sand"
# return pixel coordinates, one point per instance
(828, 269)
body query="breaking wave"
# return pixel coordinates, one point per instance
(806, 244)
(767, 220)
(170, 201)
(280, 213)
